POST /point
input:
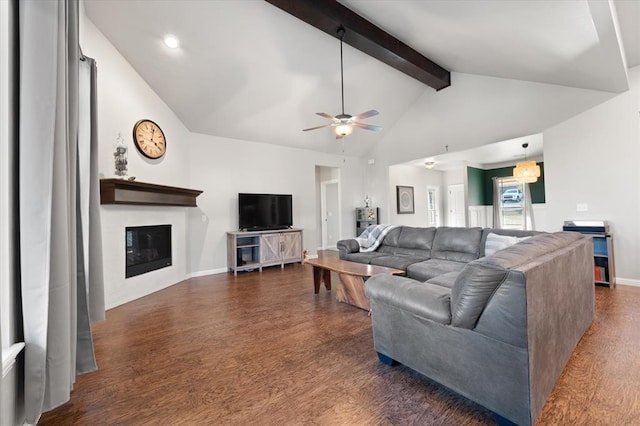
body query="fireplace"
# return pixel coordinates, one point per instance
(147, 248)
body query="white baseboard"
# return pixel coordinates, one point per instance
(627, 281)
(208, 272)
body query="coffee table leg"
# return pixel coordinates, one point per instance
(320, 275)
(326, 277)
(351, 291)
(317, 277)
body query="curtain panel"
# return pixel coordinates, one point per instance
(55, 226)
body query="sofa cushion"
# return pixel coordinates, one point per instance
(416, 238)
(409, 241)
(391, 239)
(471, 291)
(428, 269)
(398, 262)
(360, 257)
(457, 244)
(445, 280)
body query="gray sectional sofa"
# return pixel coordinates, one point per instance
(497, 329)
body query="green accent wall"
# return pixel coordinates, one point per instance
(476, 186)
(480, 185)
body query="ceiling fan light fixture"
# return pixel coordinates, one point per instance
(343, 130)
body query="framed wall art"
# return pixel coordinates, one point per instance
(404, 195)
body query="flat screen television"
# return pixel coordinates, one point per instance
(259, 212)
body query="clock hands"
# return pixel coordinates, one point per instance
(153, 133)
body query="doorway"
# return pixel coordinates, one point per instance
(330, 211)
(329, 207)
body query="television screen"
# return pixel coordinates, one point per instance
(264, 211)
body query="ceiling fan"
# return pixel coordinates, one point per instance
(344, 123)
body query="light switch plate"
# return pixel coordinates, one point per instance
(582, 207)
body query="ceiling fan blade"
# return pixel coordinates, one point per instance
(367, 126)
(367, 114)
(325, 115)
(317, 127)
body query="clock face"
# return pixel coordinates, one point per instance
(149, 139)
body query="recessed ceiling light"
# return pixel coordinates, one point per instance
(171, 41)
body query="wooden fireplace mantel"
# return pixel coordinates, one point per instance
(123, 191)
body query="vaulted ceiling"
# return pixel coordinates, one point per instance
(248, 70)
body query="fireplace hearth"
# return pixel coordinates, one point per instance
(147, 248)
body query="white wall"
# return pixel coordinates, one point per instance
(221, 167)
(475, 110)
(224, 167)
(420, 178)
(123, 99)
(594, 158)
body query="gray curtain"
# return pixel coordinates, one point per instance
(497, 217)
(56, 288)
(528, 208)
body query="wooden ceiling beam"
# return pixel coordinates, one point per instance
(329, 15)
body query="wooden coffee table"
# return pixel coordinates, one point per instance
(352, 274)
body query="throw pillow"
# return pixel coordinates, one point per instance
(497, 242)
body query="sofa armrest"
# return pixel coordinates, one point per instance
(424, 300)
(347, 246)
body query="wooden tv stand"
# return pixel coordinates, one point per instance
(249, 250)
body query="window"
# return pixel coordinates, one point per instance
(512, 205)
(433, 218)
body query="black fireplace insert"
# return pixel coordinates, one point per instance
(147, 248)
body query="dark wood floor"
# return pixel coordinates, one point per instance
(261, 348)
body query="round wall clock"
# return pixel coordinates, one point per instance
(149, 139)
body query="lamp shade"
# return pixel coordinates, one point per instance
(526, 171)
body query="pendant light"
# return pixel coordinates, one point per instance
(526, 171)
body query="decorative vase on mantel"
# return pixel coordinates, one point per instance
(120, 157)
